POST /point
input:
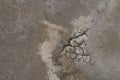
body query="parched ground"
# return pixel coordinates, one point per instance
(59, 39)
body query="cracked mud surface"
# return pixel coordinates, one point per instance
(75, 48)
(59, 39)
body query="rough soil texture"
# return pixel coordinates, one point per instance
(59, 39)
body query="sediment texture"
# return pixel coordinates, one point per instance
(59, 39)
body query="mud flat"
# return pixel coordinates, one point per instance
(59, 39)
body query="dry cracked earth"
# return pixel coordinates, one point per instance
(59, 39)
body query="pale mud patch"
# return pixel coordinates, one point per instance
(56, 72)
(48, 46)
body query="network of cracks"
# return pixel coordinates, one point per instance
(72, 55)
(75, 49)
